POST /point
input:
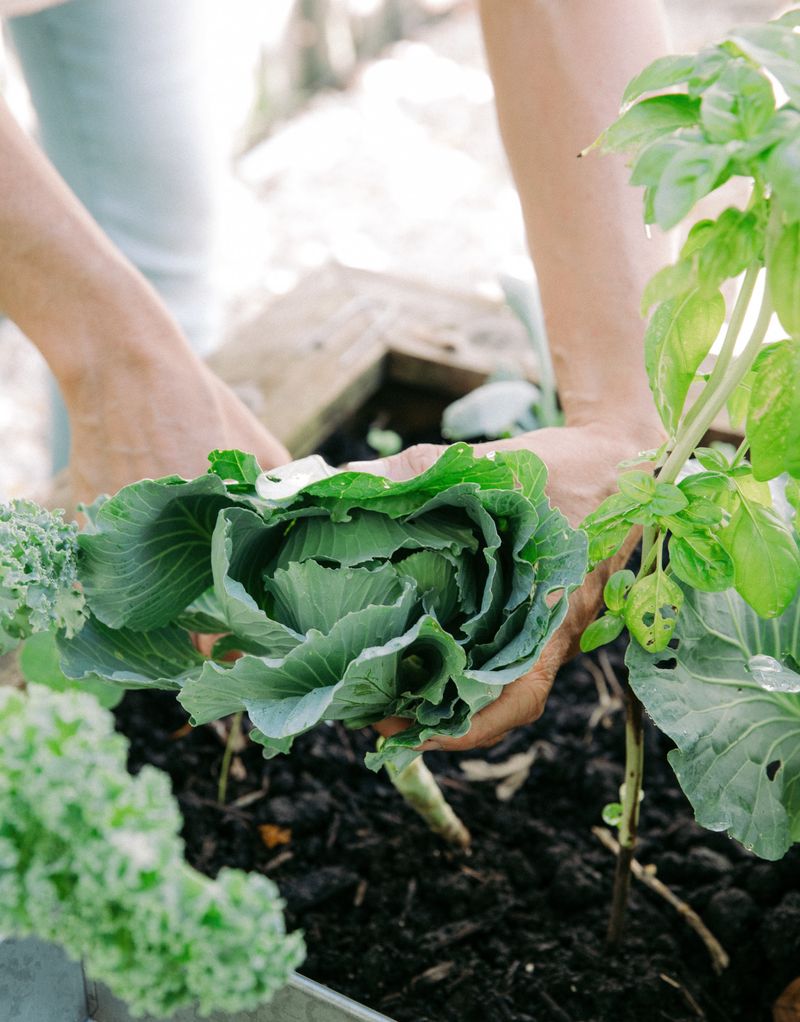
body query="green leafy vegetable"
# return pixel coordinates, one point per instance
(678, 338)
(92, 860)
(693, 171)
(765, 556)
(38, 573)
(783, 277)
(648, 120)
(739, 103)
(773, 415)
(723, 534)
(40, 663)
(727, 698)
(353, 598)
(661, 74)
(651, 610)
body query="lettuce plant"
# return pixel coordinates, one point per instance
(717, 557)
(90, 858)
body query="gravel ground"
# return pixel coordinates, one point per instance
(402, 173)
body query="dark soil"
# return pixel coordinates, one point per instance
(513, 932)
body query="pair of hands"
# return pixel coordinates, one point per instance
(151, 421)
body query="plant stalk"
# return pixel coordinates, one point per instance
(728, 345)
(634, 766)
(224, 772)
(718, 395)
(420, 790)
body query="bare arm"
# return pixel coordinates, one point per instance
(140, 402)
(559, 70)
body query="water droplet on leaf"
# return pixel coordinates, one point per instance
(772, 675)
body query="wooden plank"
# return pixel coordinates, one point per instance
(312, 357)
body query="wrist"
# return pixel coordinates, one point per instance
(632, 421)
(113, 323)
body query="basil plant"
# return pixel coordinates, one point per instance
(350, 598)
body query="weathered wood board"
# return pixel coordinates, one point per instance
(314, 356)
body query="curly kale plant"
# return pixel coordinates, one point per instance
(90, 858)
(38, 556)
(352, 597)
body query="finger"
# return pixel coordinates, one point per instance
(204, 643)
(405, 465)
(521, 702)
(391, 726)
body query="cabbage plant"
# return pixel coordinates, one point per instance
(351, 597)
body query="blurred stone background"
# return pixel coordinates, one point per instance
(348, 146)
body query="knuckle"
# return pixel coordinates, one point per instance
(421, 456)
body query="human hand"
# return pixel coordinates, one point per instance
(582, 463)
(155, 413)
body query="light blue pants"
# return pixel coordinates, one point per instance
(119, 88)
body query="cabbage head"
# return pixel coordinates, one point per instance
(352, 598)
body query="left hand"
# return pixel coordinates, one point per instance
(582, 465)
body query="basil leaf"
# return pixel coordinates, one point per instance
(637, 486)
(765, 557)
(652, 159)
(602, 631)
(661, 74)
(783, 173)
(738, 105)
(669, 282)
(709, 65)
(668, 500)
(783, 278)
(694, 171)
(773, 416)
(605, 540)
(647, 121)
(702, 562)
(616, 589)
(712, 459)
(777, 48)
(651, 610)
(739, 400)
(678, 338)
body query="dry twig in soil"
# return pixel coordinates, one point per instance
(719, 956)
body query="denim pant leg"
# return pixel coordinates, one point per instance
(119, 88)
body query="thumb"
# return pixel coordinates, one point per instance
(405, 465)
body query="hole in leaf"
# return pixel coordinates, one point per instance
(648, 619)
(674, 643)
(773, 768)
(667, 665)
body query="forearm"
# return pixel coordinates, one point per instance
(559, 69)
(61, 280)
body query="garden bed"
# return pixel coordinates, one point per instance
(514, 931)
